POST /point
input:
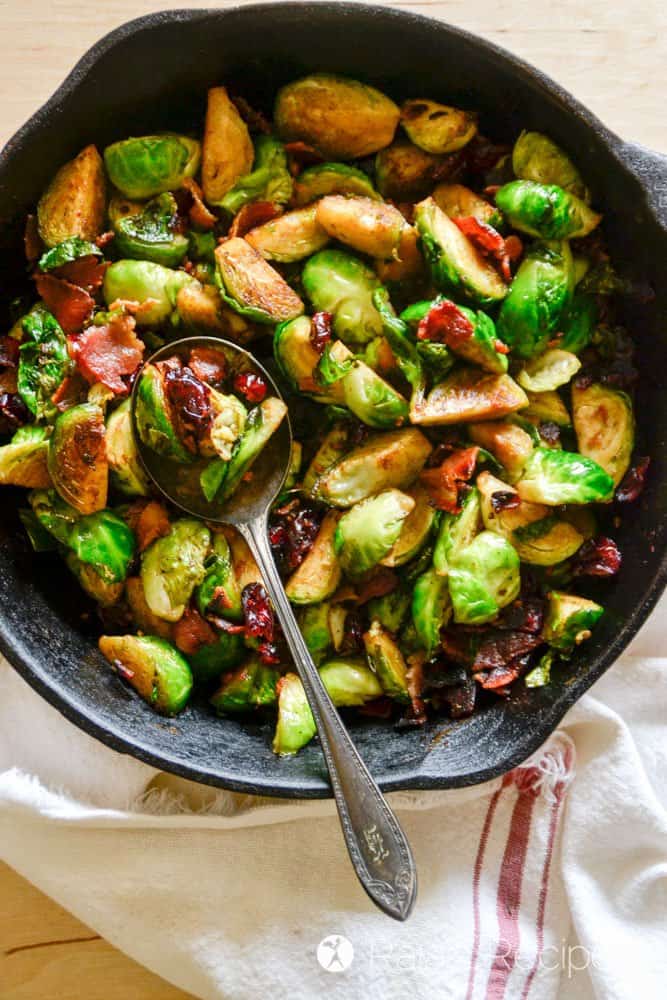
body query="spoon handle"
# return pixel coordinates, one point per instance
(376, 843)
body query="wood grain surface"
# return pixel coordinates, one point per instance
(608, 55)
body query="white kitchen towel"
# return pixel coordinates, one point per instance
(549, 883)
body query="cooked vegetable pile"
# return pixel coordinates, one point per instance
(439, 309)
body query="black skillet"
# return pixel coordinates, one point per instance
(153, 73)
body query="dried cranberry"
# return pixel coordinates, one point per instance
(251, 386)
(549, 431)
(446, 324)
(9, 352)
(320, 330)
(633, 481)
(190, 401)
(353, 633)
(504, 500)
(488, 242)
(597, 557)
(13, 411)
(268, 653)
(523, 615)
(258, 613)
(292, 534)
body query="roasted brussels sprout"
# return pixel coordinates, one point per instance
(227, 151)
(545, 210)
(73, 203)
(315, 628)
(510, 445)
(151, 234)
(269, 180)
(556, 477)
(172, 566)
(246, 569)
(153, 417)
(43, 362)
(252, 685)
(366, 533)
(540, 292)
(549, 371)
(578, 322)
(331, 178)
(536, 158)
(569, 620)
(344, 119)
(340, 284)
(545, 406)
(371, 227)
(143, 617)
(386, 659)
(368, 396)
(455, 264)
(125, 471)
(465, 395)
(252, 287)
(605, 427)
(482, 347)
(415, 531)
(483, 578)
(290, 237)
(211, 660)
(333, 447)
(297, 359)
(219, 592)
(431, 609)
(349, 682)
(222, 477)
(144, 166)
(459, 202)
(23, 462)
(77, 458)
(437, 128)
(319, 574)
(103, 593)
(73, 248)
(391, 609)
(144, 281)
(404, 172)
(156, 671)
(456, 531)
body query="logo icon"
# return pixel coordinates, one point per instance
(335, 953)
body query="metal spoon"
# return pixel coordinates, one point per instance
(377, 846)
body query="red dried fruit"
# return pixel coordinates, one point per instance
(9, 352)
(292, 534)
(70, 304)
(504, 500)
(526, 614)
(633, 482)
(108, 353)
(549, 431)
(447, 483)
(209, 365)
(13, 411)
(488, 242)
(252, 387)
(258, 613)
(446, 324)
(190, 402)
(320, 330)
(597, 557)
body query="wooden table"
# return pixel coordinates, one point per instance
(611, 60)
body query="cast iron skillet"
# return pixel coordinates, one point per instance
(153, 73)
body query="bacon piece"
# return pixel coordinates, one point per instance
(191, 632)
(86, 272)
(108, 353)
(198, 212)
(32, 241)
(104, 239)
(9, 352)
(149, 520)
(447, 483)
(70, 304)
(209, 365)
(378, 582)
(300, 155)
(488, 242)
(252, 215)
(255, 120)
(500, 649)
(446, 324)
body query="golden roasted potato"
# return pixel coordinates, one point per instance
(227, 151)
(73, 204)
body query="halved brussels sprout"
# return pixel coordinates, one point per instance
(344, 119)
(246, 569)
(338, 283)
(44, 362)
(454, 262)
(365, 393)
(73, 203)
(409, 262)
(297, 359)
(143, 281)
(465, 396)
(415, 531)
(156, 671)
(251, 286)
(227, 151)
(23, 462)
(290, 237)
(385, 461)
(536, 158)
(269, 180)
(202, 310)
(549, 371)
(386, 659)
(143, 617)
(349, 682)
(569, 620)
(153, 417)
(366, 533)
(77, 458)
(459, 202)
(143, 166)
(208, 662)
(313, 622)
(338, 613)
(546, 406)
(404, 172)
(172, 566)
(295, 726)
(150, 234)
(219, 592)
(511, 445)
(225, 431)
(540, 292)
(457, 531)
(105, 594)
(578, 322)
(251, 686)
(125, 471)
(605, 427)
(556, 477)
(431, 609)
(482, 347)
(319, 574)
(371, 227)
(331, 178)
(73, 248)
(483, 578)
(222, 478)
(437, 128)
(545, 210)
(333, 447)
(391, 609)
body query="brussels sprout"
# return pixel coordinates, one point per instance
(545, 210)
(456, 531)
(365, 393)
(391, 609)
(385, 461)
(210, 661)
(105, 594)
(144, 166)
(408, 263)
(578, 322)
(366, 533)
(202, 310)
(540, 675)
(23, 462)
(349, 682)
(73, 203)
(549, 371)
(605, 427)
(333, 447)
(295, 726)
(465, 395)
(150, 234)
(222, 478)
(459, 202)
(540, 292)
(536, 158)
(69, 250)
(297, 359)
(437, 128)
(251, 286)
(454, 262)
(227, 151)
(540, 537)
(331, 178)
(219, 592)
(153, 417)
(43, 362)
(416, 530)
(480, 348)
(144, 281)
(483, 578)
(125, 471)
(340, 284)
(142, 616)
(431, 609)
(386, 659)
(246, 569)
(344, 119)
(77, 458)
(404, 172)
(337, 624)
(156, 671)
(269, 180)
(319, 574)
(224, 433)
(371, 227)
(290, 237)
(510, 445)
(251, 686)
(40, 539)
(546, 406)
(172, 566)
(569, 620)
(556, 477)
(313, 621)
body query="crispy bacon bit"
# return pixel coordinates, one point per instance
(104, 239)
(513, 247)
(70, 304)
(32, 241)
(446, 324)
(504, 500)
(199, 214)
(376, 583)
(191, 632)
(70, 391)
(149, 520)
(252, 215)
(9, 352)
(292, 534)
(549, 431)
(300, 155)
(447, 483)
(251, 386)
(259, 618)
(13, 411)
(190, 403)
(597, 557)
(108, 353)
(85, 272)
(254, 119)
(209, 365)
(633, 481)
(320, 330)
(502, 676)
(488, 242)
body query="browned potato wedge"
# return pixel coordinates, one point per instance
(458, 202)
(371, 227)
(253, 287)
(73, 204)
(77, 458)
(290, 237)
(437, 128)
(227, 150)
(510, 444)
(468, 395)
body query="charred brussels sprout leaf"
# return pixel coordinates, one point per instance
(150, 235)
(437, 128)
(340, 284)
(386, 659)
(366, 533)
(545, 210)
(125, 471)
(556, 477)
(605, 427)
(331, 178)
(269, 180)
(64, 253)
(536, 158)
(144, 166)
(540, 292)
(569, 620)
(456, 531)
(157, 671)
(483, 578)
(252, 287)
(73, 203)
(172, 566)
(77, 458)
(43, 362)
(144, 281)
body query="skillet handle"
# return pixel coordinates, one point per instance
(651, 169)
